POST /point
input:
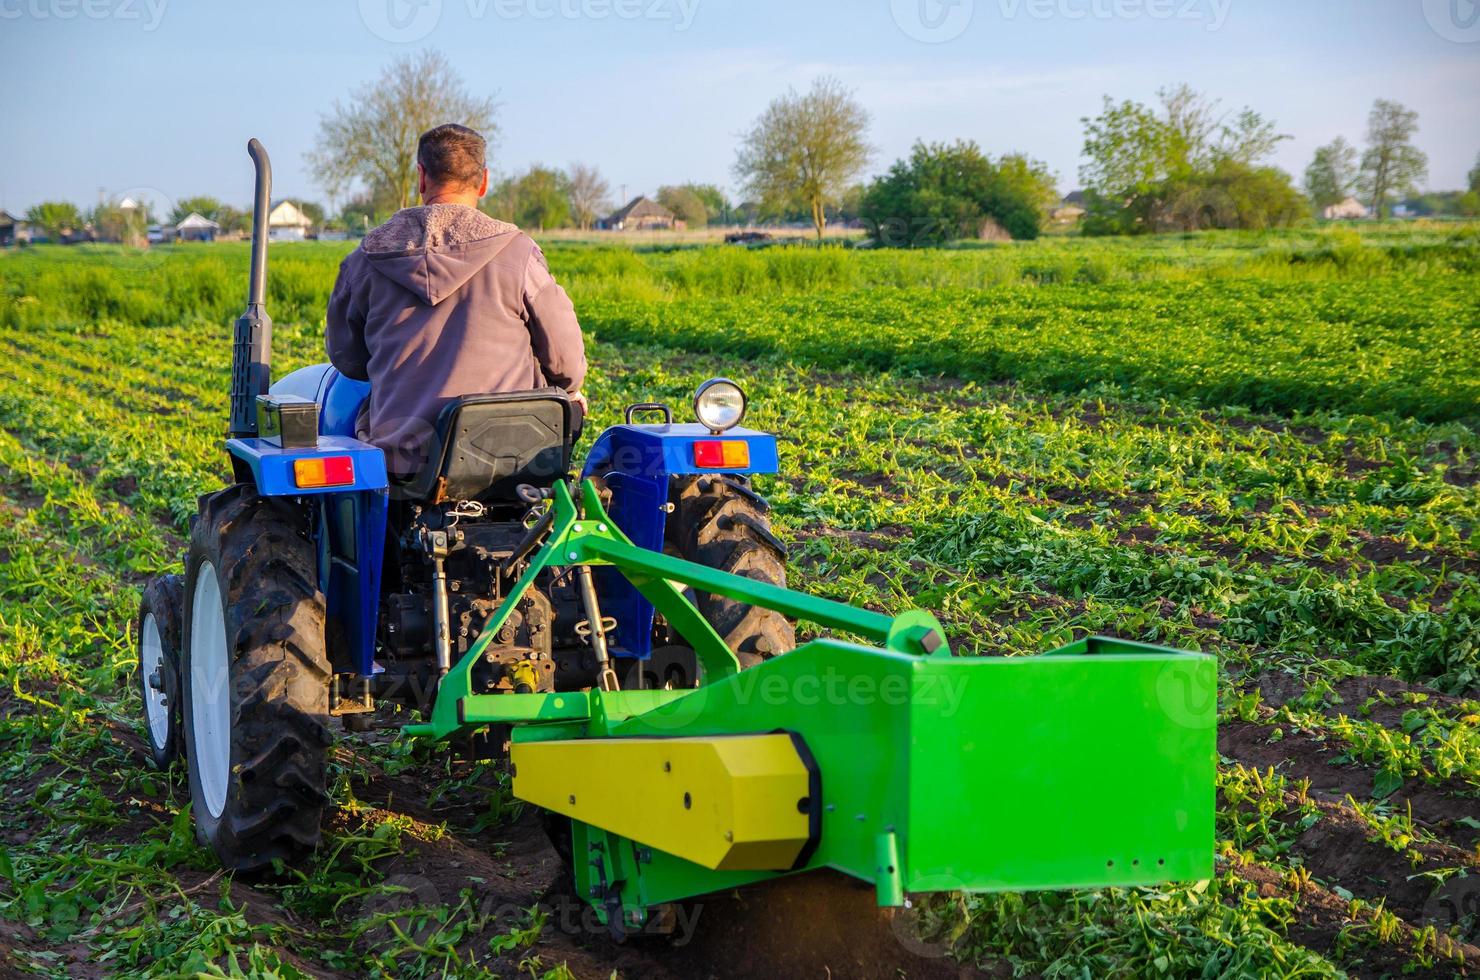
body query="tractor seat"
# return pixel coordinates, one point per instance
(485, 446)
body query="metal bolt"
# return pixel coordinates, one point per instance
(573, 799)
(577, 529)
(601, 528)
(572, 556)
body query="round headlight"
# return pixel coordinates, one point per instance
(719, 404)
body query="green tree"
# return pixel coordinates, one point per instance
(685, 204)
(1145, 164)
(231, 220)
(1474, 175)
(112, 223)
(539, 198)
(1391, 166)
(372, 139)
(1332, 173)
(716, 205)
(944, 192)
(56, 218)
(805, 150)
(1233, 195)
(206, 207)
(1028, 183)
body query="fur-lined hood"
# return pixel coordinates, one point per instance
(433, 249)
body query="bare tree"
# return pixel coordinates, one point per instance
(589, 194)
(1392, 165)
(372, 139)
(804, 150)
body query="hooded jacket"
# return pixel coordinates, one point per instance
(443, 301)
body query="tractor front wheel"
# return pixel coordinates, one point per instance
(256, 680)
(720, 522)
(158, 628)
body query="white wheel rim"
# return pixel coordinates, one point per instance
(210, 700)
(151, 663)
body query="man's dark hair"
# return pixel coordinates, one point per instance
(452, 154)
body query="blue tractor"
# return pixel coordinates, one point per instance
(627, 638)
(376, 587)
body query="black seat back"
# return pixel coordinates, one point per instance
(485, 446)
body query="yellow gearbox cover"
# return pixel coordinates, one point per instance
(727, 802)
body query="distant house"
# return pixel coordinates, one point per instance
(197, 228)
(13, 230)
(286, 223)
(1069, 210)
(641, 213)
(1346, 210)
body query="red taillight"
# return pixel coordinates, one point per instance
(326, 471)
(727, 454)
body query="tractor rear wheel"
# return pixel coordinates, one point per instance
(719, 522)
(256, 680)
(158, 630)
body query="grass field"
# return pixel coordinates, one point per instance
(1259, 446)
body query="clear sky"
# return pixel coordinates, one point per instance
(160, 96)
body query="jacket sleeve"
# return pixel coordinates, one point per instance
(554, 331)
(344, 322)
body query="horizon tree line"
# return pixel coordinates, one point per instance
(1183, 164)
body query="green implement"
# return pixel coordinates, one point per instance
(1087, 766)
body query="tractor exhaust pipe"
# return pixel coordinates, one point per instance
(251, 352)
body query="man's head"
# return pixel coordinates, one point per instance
(451, 165)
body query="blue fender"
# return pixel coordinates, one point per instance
(350, 520)
(636, 461)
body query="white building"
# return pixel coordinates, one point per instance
(286, 223)
(1346, 210)
(197, 228)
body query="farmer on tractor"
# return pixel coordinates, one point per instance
(443, 301)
